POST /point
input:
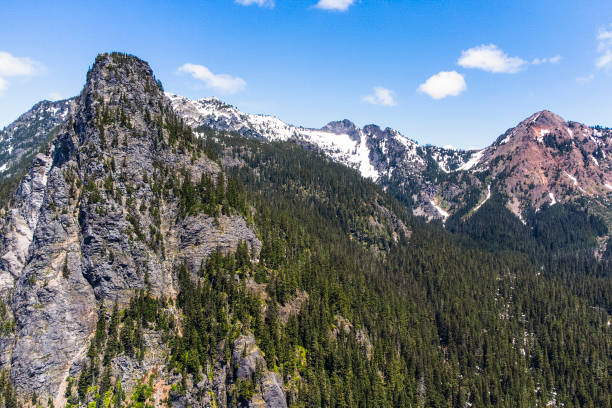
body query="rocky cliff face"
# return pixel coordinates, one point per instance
(97, 218)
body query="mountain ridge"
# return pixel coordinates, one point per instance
(394, 161)
(146, 262)
(373, 158)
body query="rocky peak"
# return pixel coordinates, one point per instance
(372, 129)
(118, 70)
(93, 225)
(544, 118)
(545, 160)
(344, 126)
(340, 126)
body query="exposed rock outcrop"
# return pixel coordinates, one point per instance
(96, 219)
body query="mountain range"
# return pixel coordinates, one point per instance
(162, 251)
(541, 161)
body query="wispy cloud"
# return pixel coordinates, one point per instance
(552, 60)
(604, 48)
(381, 96)
(260, 3)
(585, 79)
(11, 66)
(337, 5)
(490, 58)
(220, 82)
(443, 84)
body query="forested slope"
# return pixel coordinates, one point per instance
(182, 267)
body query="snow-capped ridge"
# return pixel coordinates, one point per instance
(544, 140)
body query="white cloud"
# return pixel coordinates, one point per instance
(443, 84)
(381, 96)
(585, 79)
(220, 82)
(604, 47)
(16, 66)
(551, 60)
(11, 66)
(260, 3)
(490, 58)
(338, 5)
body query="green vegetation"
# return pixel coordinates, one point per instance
(449, 322)
(493, 315)
(121, 333)
(559, 240)
(8, 397)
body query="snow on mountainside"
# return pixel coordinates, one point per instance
(348, 146)
(342, 141)
(383, 155)
(22, 138)
(215, 113)
(542, 157)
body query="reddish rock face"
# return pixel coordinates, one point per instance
(545, 159)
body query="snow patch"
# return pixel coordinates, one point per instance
(552, 199)
(363, 156)
(608, 186)
(440, 210)
(485, 200)
(342, 148)
(507, 138)
(543, 132)
(594, 160)
(474, 159)
(3, 167)
(408, 144)
(571, 178)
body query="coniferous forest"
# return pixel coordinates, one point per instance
(419, 319)
(352, 301)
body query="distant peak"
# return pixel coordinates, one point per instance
(544, 118)
(341, 126)
(372, 128)
(213, 100)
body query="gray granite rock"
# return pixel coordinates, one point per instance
(92, 223)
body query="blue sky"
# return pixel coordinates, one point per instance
(441, 72)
